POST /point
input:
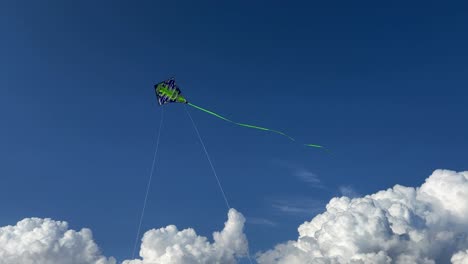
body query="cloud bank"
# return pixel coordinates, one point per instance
(170, 246)
(401, 225)
(44, 241)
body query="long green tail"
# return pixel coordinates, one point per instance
(249, 126)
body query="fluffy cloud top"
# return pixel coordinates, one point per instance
(401, 225)
(170, 246)
(44, 241)
(460, 258)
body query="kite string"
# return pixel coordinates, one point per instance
(149, 182)
(209, 159)
(212, 168)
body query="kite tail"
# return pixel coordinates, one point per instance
(317, 146)
(240, 124)
(249, 126)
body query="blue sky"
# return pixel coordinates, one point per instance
(382, 85)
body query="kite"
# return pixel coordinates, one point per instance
(169, 92)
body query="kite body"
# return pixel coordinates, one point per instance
(168, 92)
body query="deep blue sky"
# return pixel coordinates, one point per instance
(382, 84)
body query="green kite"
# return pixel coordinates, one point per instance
(168, 92)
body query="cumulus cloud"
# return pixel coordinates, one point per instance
(460, 258)
(45, 241)
(170, 246)
(401, 225)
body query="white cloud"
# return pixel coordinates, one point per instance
(301, 173)
(348, 191)
(44, 241)
(400, 225)
(298, 205)
(460, 258)
(307, 176)
(261, 221)
(170, 246)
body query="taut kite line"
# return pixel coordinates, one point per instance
(168, 92)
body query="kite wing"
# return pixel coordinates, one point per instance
(168, 92)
